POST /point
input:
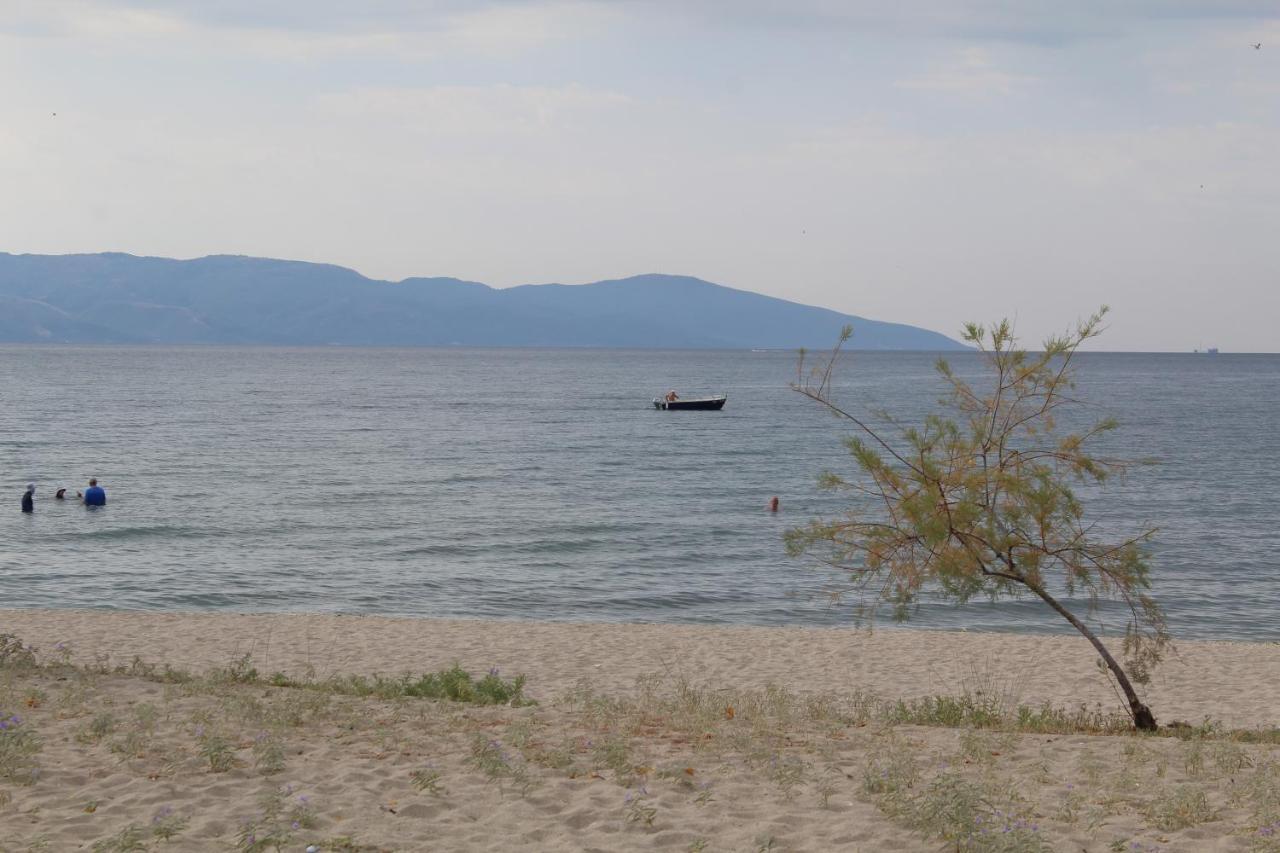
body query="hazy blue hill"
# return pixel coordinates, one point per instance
(118, 298)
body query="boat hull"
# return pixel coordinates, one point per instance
(700, 404)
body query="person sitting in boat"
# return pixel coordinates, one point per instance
(672, 396)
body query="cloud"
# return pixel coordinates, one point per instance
(89, 19)
(1039, 21)
(972, 74)
(475, 111)
(1027, 20)
(320, 28)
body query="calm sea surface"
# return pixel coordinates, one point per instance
(542, 484)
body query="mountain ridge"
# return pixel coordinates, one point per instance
(115, 297)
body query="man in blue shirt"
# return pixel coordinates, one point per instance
(95, 495)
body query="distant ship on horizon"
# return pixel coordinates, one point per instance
(1209, 351)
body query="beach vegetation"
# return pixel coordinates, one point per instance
(19, 747)
(1230, 757)
(828, 784)
(428, 781)
(1179, 808)
(892, 768)
(492, 758)
(614, 753)
(346, 844)
(788, 772)
(268, 754)
(639, 809)
(130, 839)
(216, 750)
(167, 824)
(281, 815)
(986, 499)
(969, 815)
(15, 655)
(102, 724)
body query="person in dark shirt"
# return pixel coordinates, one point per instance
(95, 495)
(28, 498)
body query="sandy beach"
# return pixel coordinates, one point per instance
(665, 737)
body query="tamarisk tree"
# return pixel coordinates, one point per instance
(981, 501)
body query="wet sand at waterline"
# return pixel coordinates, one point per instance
(600, 763)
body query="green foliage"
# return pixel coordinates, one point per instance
(281, 814)
(967, 816)
(19, 747)
(494, 760)
(217, 751)
(239, 671)
(454, 684)
(980, 500)
(268, 754)
(639, 811)
(429, 782)
(128, 840)
(949, 711)
(1180, 808)
(165, 826)
(892, 770)
(14, 655)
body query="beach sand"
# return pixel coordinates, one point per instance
(614, 756)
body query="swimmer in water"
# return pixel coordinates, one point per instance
(95, 495)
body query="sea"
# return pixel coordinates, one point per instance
(542, 484)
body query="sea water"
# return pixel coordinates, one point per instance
(542, 484)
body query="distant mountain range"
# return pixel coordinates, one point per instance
(225, 299)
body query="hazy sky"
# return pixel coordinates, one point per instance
(927, 162)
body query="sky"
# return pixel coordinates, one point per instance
(920, 161)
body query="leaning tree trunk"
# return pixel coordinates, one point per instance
(1143, 719)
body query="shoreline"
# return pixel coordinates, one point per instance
(1236, 683)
